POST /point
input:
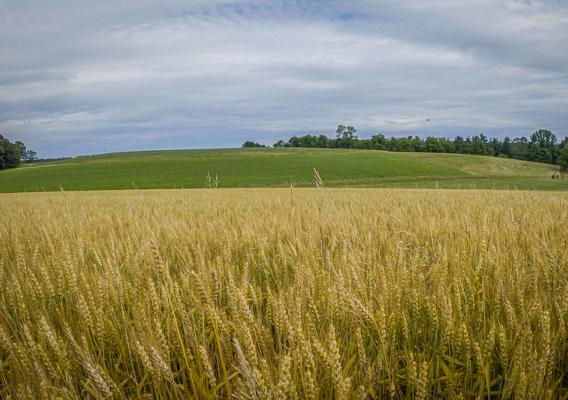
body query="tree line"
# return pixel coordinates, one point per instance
(12, 154)
(541, 146)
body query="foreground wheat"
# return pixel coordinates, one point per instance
(277, 294)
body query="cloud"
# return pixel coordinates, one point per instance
(79, 78)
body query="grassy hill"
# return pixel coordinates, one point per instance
(279, 167)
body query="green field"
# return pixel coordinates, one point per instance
(277, 168)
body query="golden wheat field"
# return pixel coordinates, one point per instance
(284, 294)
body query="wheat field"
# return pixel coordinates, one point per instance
(284, 294)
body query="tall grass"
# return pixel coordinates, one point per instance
(288, 294)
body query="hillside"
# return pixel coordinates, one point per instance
(279, 167)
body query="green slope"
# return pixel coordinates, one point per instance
(279, 167)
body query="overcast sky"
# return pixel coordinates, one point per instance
(82, 77)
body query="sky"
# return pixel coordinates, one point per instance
(84, 77)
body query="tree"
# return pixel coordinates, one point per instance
(29, 156)
(480, 145)
(2, 151)
(322, 141)
(432, 145)
(418, 144)
(393, 144)
(542, 147)
(378, 142)
(345, 136)
(459, 144)
(563, 155)
(495, 146)
(446, 146)
(519, 148)
(21, 146)
(294, 141)
(362, 144)
(563, 158)
(250, 143)
(506, 148)
(10, 155)
(406, 144)
(25, 155)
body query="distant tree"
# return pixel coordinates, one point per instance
(563, 155)
(418, 144)
(563, 158)
(10, 155)
(432, 145)
(405, 144)
(506, 147)
(3, 143)
(542, 147)
(21, 146)
(520, 148)
(393, 144)
(250, 143)
(323, 141)
(495, 146)
(294, 141)
(25, 154)
(378, 142)
(345, 136)
(447, 146)
(308, 141)
(29, 156)
(459, 144)
(362, 144)
(480, 145)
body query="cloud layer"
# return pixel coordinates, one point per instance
(78, 77)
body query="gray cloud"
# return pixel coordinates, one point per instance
(78, 77)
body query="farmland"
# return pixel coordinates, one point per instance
(284, 293)
(279, 168)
